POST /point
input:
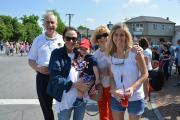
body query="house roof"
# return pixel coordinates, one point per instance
(149, 19)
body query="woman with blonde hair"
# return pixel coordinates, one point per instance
(127, 75)
(100, 38)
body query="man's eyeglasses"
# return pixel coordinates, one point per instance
(74, 39)
(102, 35)
(117, 61)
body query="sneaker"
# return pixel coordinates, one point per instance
(146, 100)
(78, 102)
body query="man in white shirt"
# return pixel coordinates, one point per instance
(38, 58)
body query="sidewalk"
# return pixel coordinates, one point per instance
(167, 101)
(33, 112)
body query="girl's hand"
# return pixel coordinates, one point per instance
(81, 86)
(118, 94)
(129, 92)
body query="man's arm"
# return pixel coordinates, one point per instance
(34, 66)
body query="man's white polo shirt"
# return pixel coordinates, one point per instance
(42, 47)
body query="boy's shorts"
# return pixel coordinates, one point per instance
(134, 107)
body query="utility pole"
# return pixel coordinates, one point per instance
(70, 16)
(87, 33)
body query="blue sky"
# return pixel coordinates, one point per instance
(92, 13)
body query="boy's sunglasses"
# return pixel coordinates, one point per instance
(102, 35)
(74, 39)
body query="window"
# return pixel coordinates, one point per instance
(162, 27)
(155, 26)
(133, 27)
(139, 27)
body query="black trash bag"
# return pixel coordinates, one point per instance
(156, 80)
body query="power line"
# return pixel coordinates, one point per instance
(70, 15)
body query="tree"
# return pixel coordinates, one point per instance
(11, 29)
(30, 19)
(3, 31)
(31, 31)
(17, 30)
(84, 32)
(82, 27)
(6, 25)
(31, 28)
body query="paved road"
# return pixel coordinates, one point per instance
(18, 99)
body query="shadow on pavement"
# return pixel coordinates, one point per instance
(170, 111)
(149, 113)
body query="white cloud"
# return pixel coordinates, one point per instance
(154, 6)
(139, 2)
(90, 20)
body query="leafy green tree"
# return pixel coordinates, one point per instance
(17, 30)
(8, 28)
(30, 19)
(31, 31)
(11, 29)
(31, 28)
(82, 27)
(3, 31)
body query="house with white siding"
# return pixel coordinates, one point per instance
(153, 28)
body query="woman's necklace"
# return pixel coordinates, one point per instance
(122, 80)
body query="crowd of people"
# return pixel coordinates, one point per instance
(12, 48)
(67, 68)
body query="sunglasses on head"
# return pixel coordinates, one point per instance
(102, 35)
(117, 62)
(74, 39)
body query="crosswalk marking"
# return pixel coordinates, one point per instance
(20, 102)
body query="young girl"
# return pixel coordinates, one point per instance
(87, 65)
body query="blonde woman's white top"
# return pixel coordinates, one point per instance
(42, 47)
(103, 65)
(130, 73)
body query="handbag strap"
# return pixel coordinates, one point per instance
(91, 114)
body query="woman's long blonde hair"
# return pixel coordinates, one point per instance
(111, 47)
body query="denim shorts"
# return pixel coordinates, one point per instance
(134, 107)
